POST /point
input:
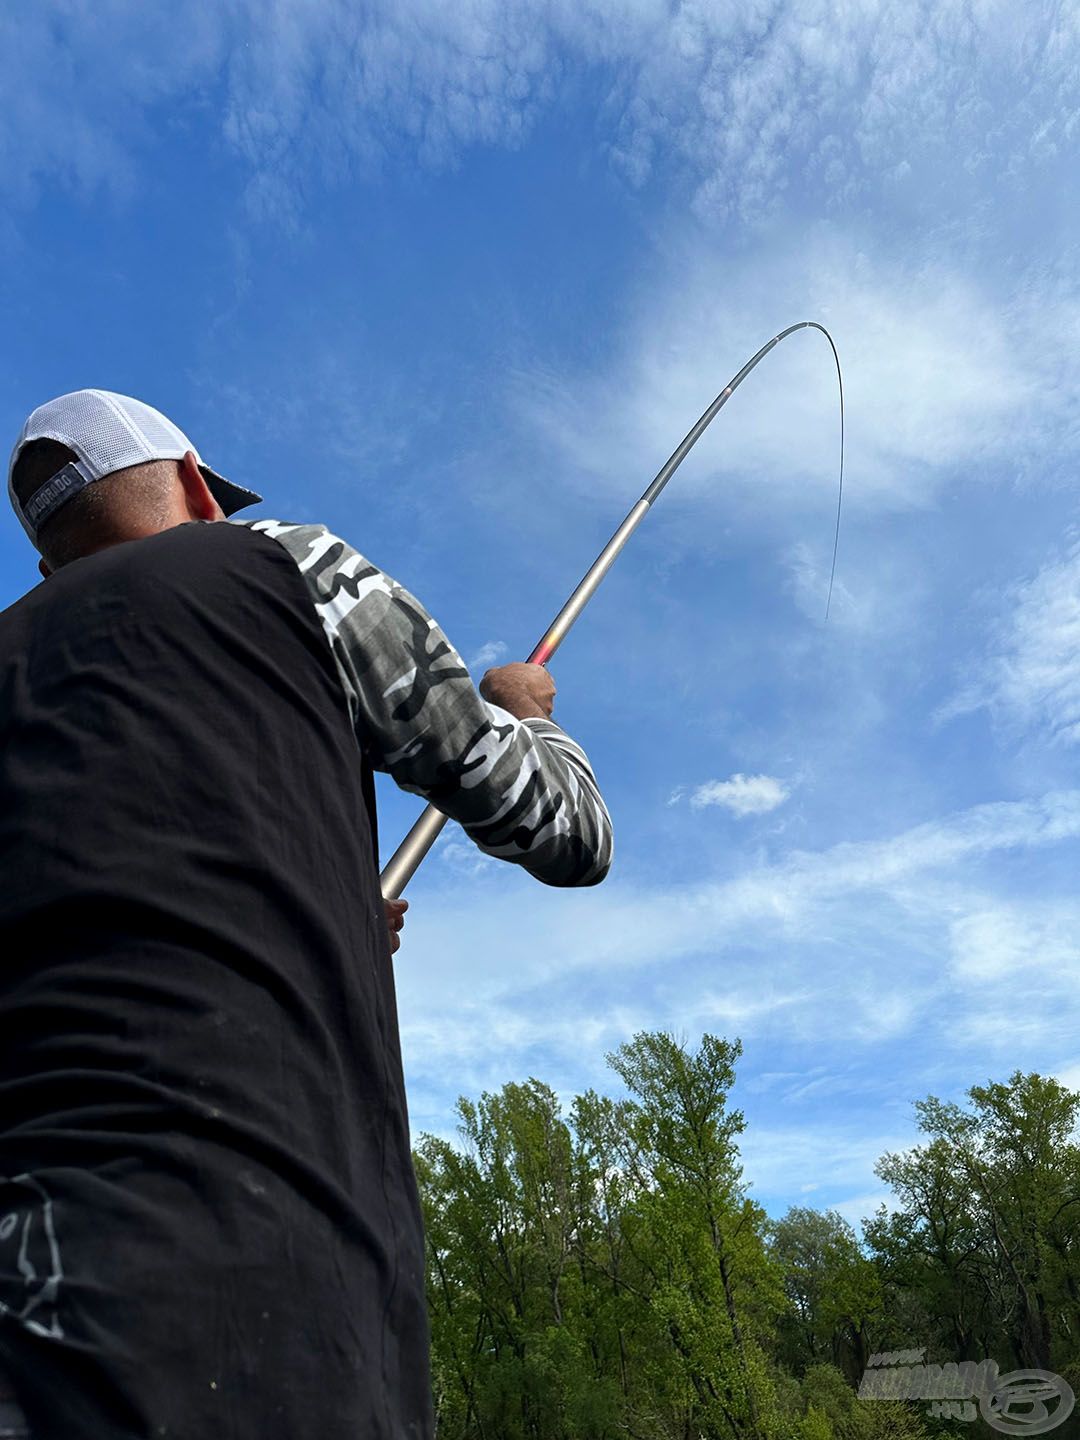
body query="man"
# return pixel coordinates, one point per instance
(210, 1224)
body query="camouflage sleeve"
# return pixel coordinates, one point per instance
(523, 790)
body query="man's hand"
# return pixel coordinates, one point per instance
(395, 919)
(525, 690)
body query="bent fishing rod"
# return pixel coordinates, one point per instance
(406, 859)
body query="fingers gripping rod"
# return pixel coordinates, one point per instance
(406, 860)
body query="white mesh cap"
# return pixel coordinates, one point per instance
(107, 432)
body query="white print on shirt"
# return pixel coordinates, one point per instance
(30, 1268)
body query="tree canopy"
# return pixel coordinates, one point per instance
(603, 1273)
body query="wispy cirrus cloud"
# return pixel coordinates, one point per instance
(928, 357)
(747, 103)
(894, 963)
(800, 939)
(75, 118)
(869, 950)
(772, 96)
(746, 100)
(1030, 677)
(831, 1162)
(999, 940)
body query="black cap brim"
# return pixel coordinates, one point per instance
(229, 496)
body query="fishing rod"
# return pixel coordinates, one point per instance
(406, 859)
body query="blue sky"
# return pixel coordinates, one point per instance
(454, 280)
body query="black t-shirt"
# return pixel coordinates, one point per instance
(209, 1226)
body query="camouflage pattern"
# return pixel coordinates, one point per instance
(521, 789)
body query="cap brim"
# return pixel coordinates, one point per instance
(229, 496)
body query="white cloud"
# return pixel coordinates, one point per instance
(778, 94)
(864, 1206)
(893, 957)
(90, 140)
(926, 354)
(1031, 678)
(745, 103)
(844, 945)
(462, 856)
(1003, 942)
(781, 1160)
(742, 794)
(488, 654)
(1012, 965)
(799, 1085)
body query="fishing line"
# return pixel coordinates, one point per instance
(840, 490)
(405, 861)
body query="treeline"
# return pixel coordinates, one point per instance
(603, 1274)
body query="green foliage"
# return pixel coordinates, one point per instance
(602, 1274)
(830, 1397)
(816, 1425)
(833, 1291)
(986, 1239)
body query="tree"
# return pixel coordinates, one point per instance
(834, 1412)
(713, 1284)
(512, 1358)
(986, 1232)
(833, 1289)
(605, 1276)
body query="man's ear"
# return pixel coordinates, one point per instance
(201, 504)
(45, 571)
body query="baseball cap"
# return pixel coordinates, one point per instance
(107, 432)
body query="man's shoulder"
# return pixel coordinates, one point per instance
(311, 546)
(350, 594)
(277, 529)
